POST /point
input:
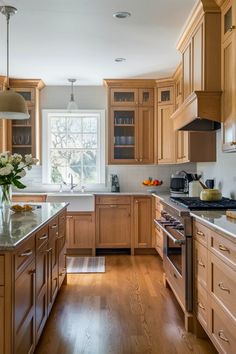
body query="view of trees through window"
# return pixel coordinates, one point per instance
(74, 148)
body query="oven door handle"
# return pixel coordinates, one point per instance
(175, 240)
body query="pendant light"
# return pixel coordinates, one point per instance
(72, 105)
(12, 104)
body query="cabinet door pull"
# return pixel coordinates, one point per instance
(54, 226)
(222, 287)
(200, 233)
(201, 306)
(43, 237)
(26, 253)
(201, 264)
(223, 248)
(222, 336)
(112, 206)
(231, 28)
(69, 216)
(48, 250)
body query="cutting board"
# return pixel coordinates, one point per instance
(231, 214)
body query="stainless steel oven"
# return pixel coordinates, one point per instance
(177, 257)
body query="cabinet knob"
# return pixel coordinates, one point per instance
(201, 306)
(201, 264)
(141, 159)
(231, 28)
(136, 201)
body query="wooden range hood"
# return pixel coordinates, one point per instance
(200, 46)
(201, 111)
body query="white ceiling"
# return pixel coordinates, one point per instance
(58, 39)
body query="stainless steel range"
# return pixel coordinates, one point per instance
(177, 259)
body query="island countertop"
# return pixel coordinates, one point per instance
(16, 227)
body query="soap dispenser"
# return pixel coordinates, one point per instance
(115, 186)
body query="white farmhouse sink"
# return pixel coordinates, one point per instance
(78, 201)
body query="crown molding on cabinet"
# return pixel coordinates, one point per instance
(33, 83)
(135, 83)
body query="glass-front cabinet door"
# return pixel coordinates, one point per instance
(123, 134)
(146, 97)
(22, 139)
(165, 95)
(124, 97)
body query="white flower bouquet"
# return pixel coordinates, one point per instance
(12, 169)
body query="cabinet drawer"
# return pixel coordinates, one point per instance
(201, 232)
(24, 255)
(29, 198)
(62, 218)
(222, 284)
(222, 329)
(201, 305)
(113, 200)
(223, 248)
(41, 237)
(200, 263)
(53, 225)
(2, 270)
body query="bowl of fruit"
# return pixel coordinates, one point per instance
(150, 182)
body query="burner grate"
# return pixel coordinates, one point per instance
(194, 203)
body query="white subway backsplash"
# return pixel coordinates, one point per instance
(130, 176)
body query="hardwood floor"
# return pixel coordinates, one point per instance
(126, 310)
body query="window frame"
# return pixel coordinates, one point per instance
(46, 113)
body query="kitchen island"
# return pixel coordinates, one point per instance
(32, 270)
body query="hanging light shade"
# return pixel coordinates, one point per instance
(72, 104)
(12, 104)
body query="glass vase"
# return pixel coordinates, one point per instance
(5, 195)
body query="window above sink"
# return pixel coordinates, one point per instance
(74, 144)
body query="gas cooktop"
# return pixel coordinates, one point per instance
(193, 203)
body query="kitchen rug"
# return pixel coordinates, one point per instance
(78, 264)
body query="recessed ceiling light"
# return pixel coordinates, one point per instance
(120, 60)
(121, 14)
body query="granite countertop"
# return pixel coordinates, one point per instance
(16, 227)
(78, 193)
(217, 221)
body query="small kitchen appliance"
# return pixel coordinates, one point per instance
(179, 183)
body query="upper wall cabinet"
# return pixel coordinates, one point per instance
(24, 136)
(201, 60)
(228, 23)
(130, 121)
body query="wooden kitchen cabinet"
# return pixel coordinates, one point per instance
(53, 277)
(131, 121)
(2, 320)
(165, 95)
(158, 243)
(113, 221)
(81, 232)
(166, 135)
(142, 221)
(33, 198)
(113, 226)
(215, 286)
(24, 136)
(24, 305)
(228, 23)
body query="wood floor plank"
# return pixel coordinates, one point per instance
(126, 310)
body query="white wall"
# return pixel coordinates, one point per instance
(223, 170)
(94, 97)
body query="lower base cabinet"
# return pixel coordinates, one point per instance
(2, 320)
(25, 310)
(142, 221)
(113, 226)
(80, 231)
